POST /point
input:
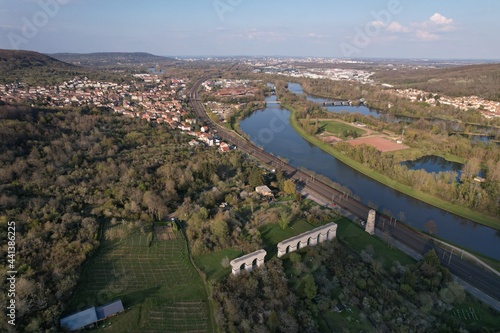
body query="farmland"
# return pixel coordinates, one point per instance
(159, 287)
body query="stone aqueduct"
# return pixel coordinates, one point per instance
(248, 262)
(310, 238)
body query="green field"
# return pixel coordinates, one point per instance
(160, 289)
(211, 263)
(357, 239)
(338, 128)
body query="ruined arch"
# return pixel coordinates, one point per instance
(248, 262)
(310, 238)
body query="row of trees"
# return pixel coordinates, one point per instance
(445, 185)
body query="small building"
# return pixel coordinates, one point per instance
(339, 307)
(91, 316)
(80, 319)
(264, 190)
(479, 179)
(109, 310)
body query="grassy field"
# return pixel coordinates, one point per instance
(160, 289)
(211, 263)
(337, 128)
(357, 239)
(431, 200)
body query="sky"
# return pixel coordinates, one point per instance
(429, 29)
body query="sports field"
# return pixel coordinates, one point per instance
(160, 289)
(380, 143)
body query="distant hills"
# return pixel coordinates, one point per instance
(35, 68)
(113, 59)
(14, 60)
(482, 80)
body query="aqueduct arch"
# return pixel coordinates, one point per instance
(310, 238)
(248, 261)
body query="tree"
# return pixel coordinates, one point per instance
(280, 179)
(220, 228)
(289, 187)
(308, 287)
(470, 169)
(255, 178)
(284, 219)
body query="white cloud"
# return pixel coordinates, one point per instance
(437, 23)
(261, 35)
(426, 36)
(315, 35)
(429, 30)
(439, 19)
(377, 24)
(397, 27)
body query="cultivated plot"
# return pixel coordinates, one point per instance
(155, 280)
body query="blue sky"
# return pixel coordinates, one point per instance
(327, 28)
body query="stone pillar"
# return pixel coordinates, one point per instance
(281, 251)
(370, 222)
(323, 237)
(332, 233)
(260, 262)
(248, 267)
(313, 241)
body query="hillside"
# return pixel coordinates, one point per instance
(35, 68)
(113, 59)
(481, 80)
(14, 60)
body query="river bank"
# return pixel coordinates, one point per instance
(436, 202)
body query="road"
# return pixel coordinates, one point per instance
(482, 279)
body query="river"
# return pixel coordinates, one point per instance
(489, 133)
(271, 130)
(364, 110)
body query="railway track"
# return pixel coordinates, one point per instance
(484, 280)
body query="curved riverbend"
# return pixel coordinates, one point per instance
(271, 129)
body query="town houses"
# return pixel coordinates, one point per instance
(489, 109)
(149, 97)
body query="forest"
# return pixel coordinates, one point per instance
(481, 80)
(306, 291)
(64, 174)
